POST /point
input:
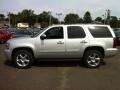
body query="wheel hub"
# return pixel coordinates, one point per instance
(93, 59)
(22, 60)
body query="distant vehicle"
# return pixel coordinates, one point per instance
(117, 33)
(4, 35)
(90, 43)
(22, 33)
(35, 31)
(12, 30)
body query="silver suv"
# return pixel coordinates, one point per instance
(89, 43)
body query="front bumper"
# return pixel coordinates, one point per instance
(8, 54)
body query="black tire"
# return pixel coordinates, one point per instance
(23, 59)
(93, 58)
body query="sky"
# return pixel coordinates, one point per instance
(96, 7)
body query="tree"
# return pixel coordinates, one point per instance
(44, 16)
(44, 19)
(119, 23)
(71, 18)
(27, 16)
(81, 20)
(114, 23)
(2, 17)
(55, 20)
(99, 19)
(87, 17)
(13, 19)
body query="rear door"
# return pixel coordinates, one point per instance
(76, 41)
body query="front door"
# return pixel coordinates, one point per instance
(53, 46)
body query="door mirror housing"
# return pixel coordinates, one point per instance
(43, 36)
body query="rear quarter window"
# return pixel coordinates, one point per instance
(100, 31)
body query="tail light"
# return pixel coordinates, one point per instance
(114, 42)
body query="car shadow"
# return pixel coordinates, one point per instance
(56, 63)
(9, 63)
(65, 63)
(47, 63)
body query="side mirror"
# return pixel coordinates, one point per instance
(43, 36)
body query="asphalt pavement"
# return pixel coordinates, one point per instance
(60, 75)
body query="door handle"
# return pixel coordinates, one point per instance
(60, 42)
(83, 41)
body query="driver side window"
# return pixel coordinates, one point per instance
(54, 33)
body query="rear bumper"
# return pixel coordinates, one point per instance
(111, 52)
(7, 54)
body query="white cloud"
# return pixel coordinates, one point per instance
(96, 7)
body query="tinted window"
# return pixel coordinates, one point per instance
(100, 32)
(117, 32)
(75, 32)
(54, 33)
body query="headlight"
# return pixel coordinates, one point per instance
(7, 45)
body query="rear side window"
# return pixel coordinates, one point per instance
(75, 32)
(100, 32)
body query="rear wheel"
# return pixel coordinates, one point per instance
(23, 59)
(93, 58)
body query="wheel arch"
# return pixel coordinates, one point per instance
(99, 48)
(22, 48)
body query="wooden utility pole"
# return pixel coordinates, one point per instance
(108, 16)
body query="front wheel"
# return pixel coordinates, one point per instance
(23, 59)
(93, 58)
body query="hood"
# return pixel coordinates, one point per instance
(19, 35)
(20, 39)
